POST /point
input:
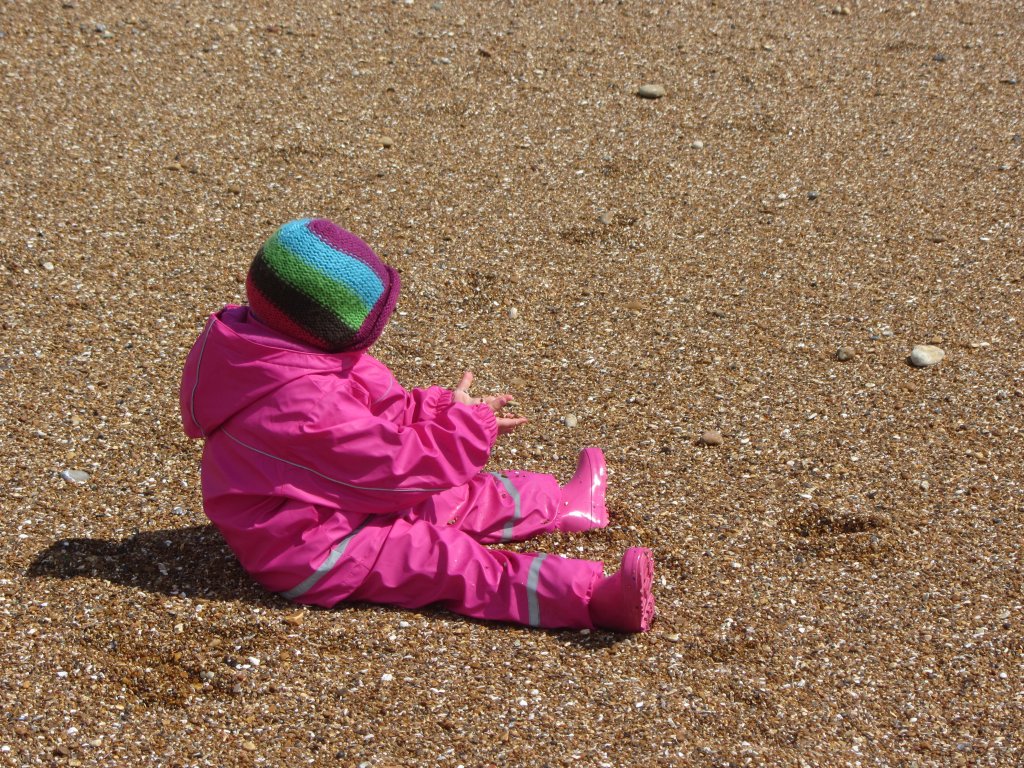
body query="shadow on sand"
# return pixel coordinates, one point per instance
(195, 561)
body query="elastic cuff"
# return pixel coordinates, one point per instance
(443, 400)
(488, 420)
(589, 596)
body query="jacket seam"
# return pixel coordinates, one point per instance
(386, 392)
(195, 384)
(261, 452)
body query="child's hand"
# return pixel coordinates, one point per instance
(508, 424)
(496, 403)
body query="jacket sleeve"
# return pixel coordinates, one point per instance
(427, 404)
(343, 440)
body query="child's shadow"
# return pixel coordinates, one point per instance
(194, 561)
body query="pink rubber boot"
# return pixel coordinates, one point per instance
(624, 602)
(581, 506)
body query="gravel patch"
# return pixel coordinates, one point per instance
(839, 581)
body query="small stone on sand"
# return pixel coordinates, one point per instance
(75, 476)
(651, 91)
(711, 437)
(924, 355)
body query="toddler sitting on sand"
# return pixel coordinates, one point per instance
(331, 482)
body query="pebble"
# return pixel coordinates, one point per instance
(513, 313)
(76, 476)
(570, 420)
(812, 195)
(697, 144)
(294, 619)
(605, 218)
(248, 746)
(924, 355)
(711, 437)
(48, 266)
(651, 91)
(386, 141)
(844, 354)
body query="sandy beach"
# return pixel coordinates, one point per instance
(721, 281)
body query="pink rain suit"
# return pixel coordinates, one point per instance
(331, 482)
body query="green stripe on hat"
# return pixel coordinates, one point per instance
(337, 297)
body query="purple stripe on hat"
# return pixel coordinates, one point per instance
(340, 240)
(374, 323)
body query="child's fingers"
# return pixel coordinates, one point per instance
(466, 382)
(497, 402)
(506, 425)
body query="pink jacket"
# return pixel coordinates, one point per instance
(303, 447)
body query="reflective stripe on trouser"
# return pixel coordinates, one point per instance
(496, 507)
(420, 563)
(325, 568)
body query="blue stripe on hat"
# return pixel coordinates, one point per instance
(350, 271)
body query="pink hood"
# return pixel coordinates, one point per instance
(239, 361)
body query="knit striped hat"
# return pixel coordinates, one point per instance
(316, 282)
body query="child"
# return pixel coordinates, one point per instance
(331, 482)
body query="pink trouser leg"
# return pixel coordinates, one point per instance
(421, 563)
(497, 507)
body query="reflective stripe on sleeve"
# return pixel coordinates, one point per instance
(325, 477)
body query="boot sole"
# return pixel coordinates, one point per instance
(638, 577)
